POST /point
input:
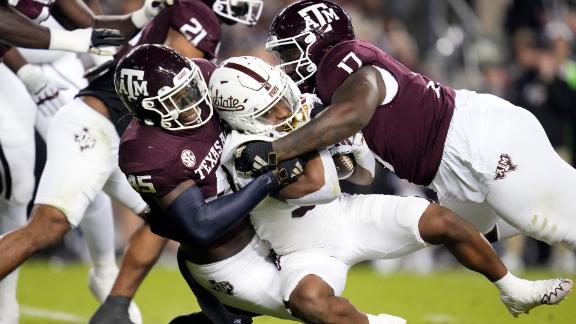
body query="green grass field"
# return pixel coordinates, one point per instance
(51, 294)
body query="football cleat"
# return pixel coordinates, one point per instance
(540, 292)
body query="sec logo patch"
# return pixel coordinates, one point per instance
(188, 158)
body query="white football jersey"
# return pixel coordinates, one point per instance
(295, 224)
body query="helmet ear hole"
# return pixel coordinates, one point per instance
(147, 104)
(310, 38)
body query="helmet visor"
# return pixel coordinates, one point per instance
(186, 106)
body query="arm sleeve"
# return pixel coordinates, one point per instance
(203, 222)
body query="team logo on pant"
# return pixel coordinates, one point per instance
(223, 287)
(275, 259)
(85, 139)
(504, 166)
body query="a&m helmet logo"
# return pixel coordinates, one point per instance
(132, 83)
(318, 15)
(188, 158)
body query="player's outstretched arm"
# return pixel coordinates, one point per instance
(17, 30)
(81, 16)
(352, 107)
(203, 222)
(75, 14)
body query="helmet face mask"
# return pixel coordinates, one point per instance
(296, 62)
(180, 107)
(255, 97)
(287, 105)
(246, 12)
(162, 88)
(311, 26)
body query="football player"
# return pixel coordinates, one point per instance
(193, 28)
(47, 92)
(20, 113)
(170, 153)
(487, 159)
(319, 233)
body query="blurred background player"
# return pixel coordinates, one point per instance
(45, 86)
(192, 28)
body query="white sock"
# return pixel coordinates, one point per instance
(9, 309)
(11, 217)
(510, 283)
(98, 229)
(97, 225)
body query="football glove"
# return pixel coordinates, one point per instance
(105, 37)
(149, 10)
(254, 158)
(44, 91)
(114, 310)
(85, 40)
(288, 171)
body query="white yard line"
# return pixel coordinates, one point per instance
(51, 314)
(440, 318)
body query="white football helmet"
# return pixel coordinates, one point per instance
(246, 12)
(244, 89)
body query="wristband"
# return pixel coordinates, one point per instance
(32, 78)
(365, 158)
(27, 72)
(78, 40)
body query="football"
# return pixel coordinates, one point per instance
(344, 165)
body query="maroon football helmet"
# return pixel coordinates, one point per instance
(301, 32)
(246, 12)
(163, 88)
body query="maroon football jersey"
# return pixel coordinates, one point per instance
(409, 132)
(37, 10)
(193, 18)
(156, 161)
